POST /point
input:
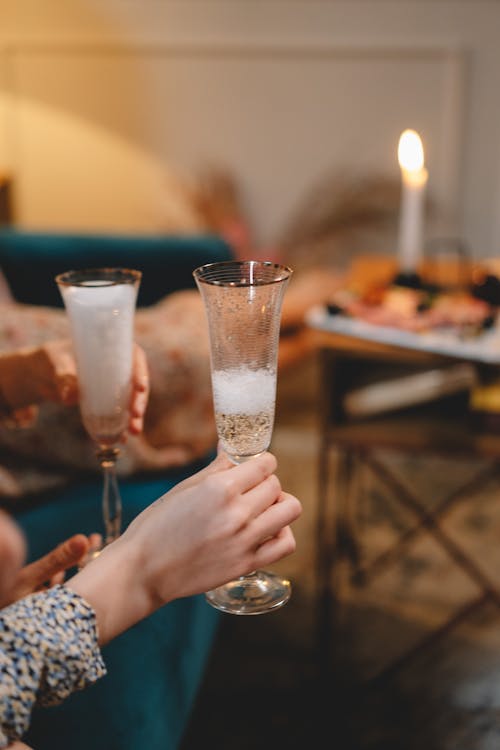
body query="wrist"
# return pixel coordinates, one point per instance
(114, 586)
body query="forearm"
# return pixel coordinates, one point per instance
(112, 586)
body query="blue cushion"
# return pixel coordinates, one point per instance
(31, 260)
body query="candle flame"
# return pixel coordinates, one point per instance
(410, 151)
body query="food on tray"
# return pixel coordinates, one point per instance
(416, 310)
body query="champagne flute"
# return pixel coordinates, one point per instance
(242, 302)
(100, 304)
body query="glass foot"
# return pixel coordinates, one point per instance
(254, 594)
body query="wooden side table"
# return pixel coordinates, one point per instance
(439, 427)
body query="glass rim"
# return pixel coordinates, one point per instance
(226, 265)
(85, 276)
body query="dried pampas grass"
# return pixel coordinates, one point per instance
(341, 216)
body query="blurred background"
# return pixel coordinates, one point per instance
(106, 105)
(276, 123)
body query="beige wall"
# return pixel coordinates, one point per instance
(100, 100)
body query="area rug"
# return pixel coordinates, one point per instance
(268, 686)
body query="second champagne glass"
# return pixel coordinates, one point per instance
(100, 304)
(243, 306)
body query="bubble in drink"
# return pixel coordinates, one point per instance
(244, 402)
(102, 319)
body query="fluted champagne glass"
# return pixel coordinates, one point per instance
(243, 302)
(100, 304)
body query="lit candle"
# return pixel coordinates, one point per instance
(411, 220)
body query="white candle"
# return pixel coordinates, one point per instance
(413, 182)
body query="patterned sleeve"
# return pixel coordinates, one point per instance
(48, 650)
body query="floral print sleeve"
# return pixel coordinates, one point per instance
(48, 650)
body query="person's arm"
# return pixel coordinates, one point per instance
(34, 375)
(48, 650)
(224, 522)
(40, 650)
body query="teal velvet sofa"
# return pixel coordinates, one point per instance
(154, 669)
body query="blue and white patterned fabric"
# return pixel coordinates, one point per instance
(48, 650)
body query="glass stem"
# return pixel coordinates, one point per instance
(111, 500)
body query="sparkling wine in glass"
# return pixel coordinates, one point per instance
(100, 304)
(242, 302)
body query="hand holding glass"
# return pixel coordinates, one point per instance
(243, 306)
(100, 304)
